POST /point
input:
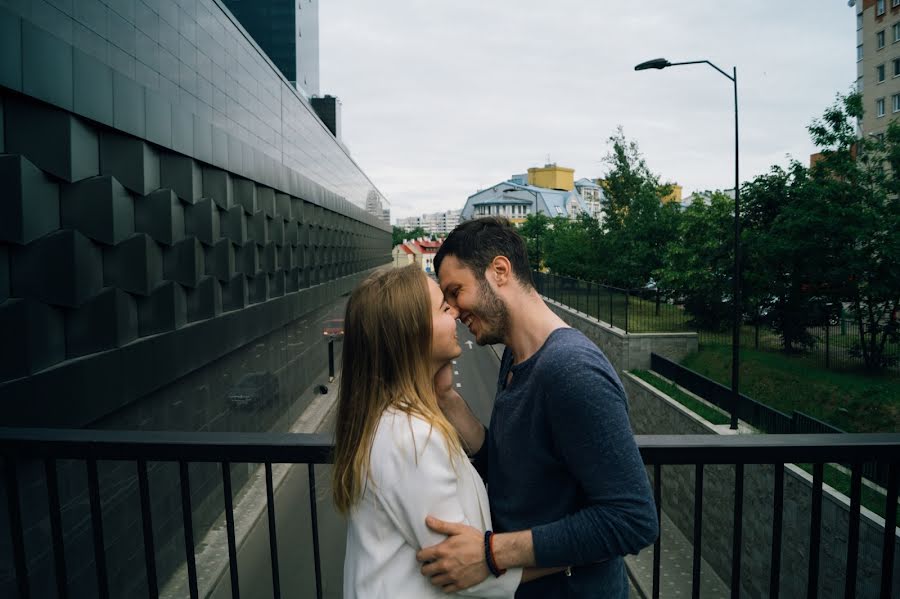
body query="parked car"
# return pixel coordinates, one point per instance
(334, 328)
(254, 390)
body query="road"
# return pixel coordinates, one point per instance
(475, 374)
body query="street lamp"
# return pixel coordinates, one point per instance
(662, 63)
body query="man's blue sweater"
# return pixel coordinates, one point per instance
(560, 459)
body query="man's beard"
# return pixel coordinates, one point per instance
(493, 316)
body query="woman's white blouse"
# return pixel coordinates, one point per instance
(411, 477)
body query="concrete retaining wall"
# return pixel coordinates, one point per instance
(626, 351)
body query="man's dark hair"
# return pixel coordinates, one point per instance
(476, 243)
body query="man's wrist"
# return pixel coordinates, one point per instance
(513, 550)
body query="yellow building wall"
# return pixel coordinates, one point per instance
(674, 196)
(552, 177)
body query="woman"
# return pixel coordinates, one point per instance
(397, 458)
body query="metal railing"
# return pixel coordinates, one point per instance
(632, 310)
(834, 344)
(49, 446)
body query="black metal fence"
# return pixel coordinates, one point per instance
(757, 414)
(632, 310)
(835, 344)
(49, 446)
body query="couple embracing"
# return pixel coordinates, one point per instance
(545, 502)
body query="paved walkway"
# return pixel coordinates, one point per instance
(676, 568)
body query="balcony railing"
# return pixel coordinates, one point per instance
(21, 449)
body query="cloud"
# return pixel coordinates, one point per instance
(440, 99)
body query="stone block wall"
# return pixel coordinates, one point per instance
(652, 412)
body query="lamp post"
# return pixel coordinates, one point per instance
(662, 63)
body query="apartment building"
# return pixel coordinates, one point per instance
(878, 62)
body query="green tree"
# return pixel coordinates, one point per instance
(637, 224)
(698, 265)
(855, 218)
(535, 230)
(782, 261)
(399, 235)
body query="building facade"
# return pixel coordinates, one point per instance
(288, 32)
(176, 224)
(416, 251)
(434, 223)
(557, 196)
(878, 62)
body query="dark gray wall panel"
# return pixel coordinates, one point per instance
(63, 269)
(204, 300)
(33, 339)
(160, 215)
(234, 225)
(182, 175)
(185, 262)
(100, 208)
(10, 50)
(133, 162)
(93, 88)
(46, 66)
(4, 273)
(74, 153)
(108, 320)
(202, 221)
(29, 201)
(134, 265)
(218, 186)
(164, 310)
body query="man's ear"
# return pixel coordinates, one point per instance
(500, 270)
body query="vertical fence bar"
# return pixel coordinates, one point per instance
(890, 526)
(97, 525)
(599, 288)
(331, 360)
(273, 541)
(610, 306)
(853, 533)
(147, 518)
(313, 513)
(827, 345)
(626, 310)
(229, 525)
(15, 527)
(777, 518)
(59, 549)
(815, 532)
(698, 529)
(737, 532)
(657, 545)
(188, 523)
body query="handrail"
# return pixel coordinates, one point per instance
(317, 448)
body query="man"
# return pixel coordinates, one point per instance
(566, 483)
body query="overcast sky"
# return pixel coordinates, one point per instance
(441, 99)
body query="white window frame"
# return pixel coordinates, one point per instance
(895, 3)
(879, 108)
(879, 8)
(880, 73)
(895, 103)
(859, 53)
(896, 70)
(895, 37)
(880, 38)
(859, 21)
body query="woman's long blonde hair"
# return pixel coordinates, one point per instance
(386, 362)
